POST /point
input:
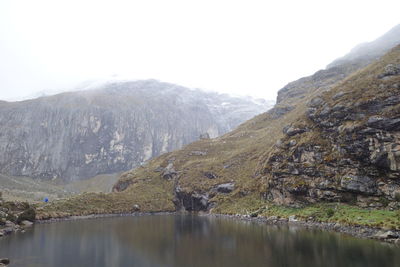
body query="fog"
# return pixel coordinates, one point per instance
(240, 47)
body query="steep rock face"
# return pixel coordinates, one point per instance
(347, 146)
(112, 128)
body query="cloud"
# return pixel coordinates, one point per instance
(242, 47)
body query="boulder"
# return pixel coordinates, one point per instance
(5, 261)
(204, 136)
(291, 130)
(226, 188)
(386, 235)
(169, 172)
(384, 123)
(26, 223)
(197, 153)
(135, 207)
(390, 70)
(316, 102)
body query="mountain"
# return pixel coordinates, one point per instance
(111, 128)
(366, 52)
(333, 137)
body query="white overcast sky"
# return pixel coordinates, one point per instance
(246, 47)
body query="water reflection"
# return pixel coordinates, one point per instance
(184, 241)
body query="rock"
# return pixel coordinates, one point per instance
(26, 223)
(158, 169)
(204, 136)
(9, 224)
(386, 235)
(292, 218)
(360, 184)
(122, 185)
(338, 95)
(197, 153)
(135, 207)
(169, 172)
(190, 201)
(316, 102)
(279, 111)
(292, 142)
(5, 261)
(384, 123)
(210, 175)
(390, 70)
(8, 230)
(226, 188)
(291, 130)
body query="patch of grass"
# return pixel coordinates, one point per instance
(340, 213)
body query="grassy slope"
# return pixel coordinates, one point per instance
(237, 156)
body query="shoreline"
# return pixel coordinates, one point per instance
(98, 216)
(358, 231)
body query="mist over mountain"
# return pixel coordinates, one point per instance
(111, 128)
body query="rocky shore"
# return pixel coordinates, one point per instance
(15, 216)
(359, 231)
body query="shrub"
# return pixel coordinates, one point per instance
(28, 215)
(330, 212)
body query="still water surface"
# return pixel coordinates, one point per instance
(185, 241)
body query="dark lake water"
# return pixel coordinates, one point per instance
(184, 241)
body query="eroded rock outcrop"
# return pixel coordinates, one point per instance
(350, 151)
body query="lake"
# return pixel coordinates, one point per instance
(188, 240)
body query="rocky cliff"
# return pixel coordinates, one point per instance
(112, 128)
(346, 146)
(332, 136)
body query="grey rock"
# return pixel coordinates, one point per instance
(204, 136)
(169, 172)
(191, 201)
(384, 123)
(5, 261)
(158, 169)
(390, 70)
(26, 223)
(226, 188)
(136, 207)
(292, 142)
(210, 175)
(360, 184)
(197, 153)
(386, 235)
(316, 102)
(338, 95)
(279, 111)
(291, 130)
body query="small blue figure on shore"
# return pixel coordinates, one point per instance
(46, 199)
